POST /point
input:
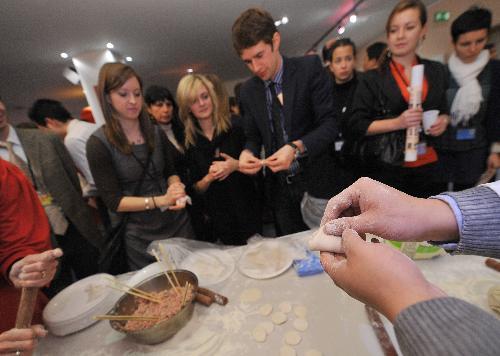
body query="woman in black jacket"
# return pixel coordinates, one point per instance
(376, 130)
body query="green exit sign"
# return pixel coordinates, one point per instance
(441, 16)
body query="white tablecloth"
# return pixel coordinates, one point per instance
(337, 323)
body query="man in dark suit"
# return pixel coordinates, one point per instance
(287, 108)
(45, 161)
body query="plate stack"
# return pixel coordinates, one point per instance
(73, 308)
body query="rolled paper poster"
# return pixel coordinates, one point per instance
(415, 90)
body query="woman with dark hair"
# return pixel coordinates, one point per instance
(376, 129)
(230, 210)
(328, 173)
(133, 171)
(165, 112)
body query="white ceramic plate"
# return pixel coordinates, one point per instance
(266, 259)
(211, 266)
(72, 309)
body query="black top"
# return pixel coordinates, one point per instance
(111, 178)
(378, 97)
(327, 175)
(229, 208)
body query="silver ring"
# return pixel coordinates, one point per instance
(44, 274)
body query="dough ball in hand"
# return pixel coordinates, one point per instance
(323, 242)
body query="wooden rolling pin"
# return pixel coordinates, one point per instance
(218, 298)
(26, 307)
(204, 299)
(494, 264)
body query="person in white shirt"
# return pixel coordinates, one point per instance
(51, 115)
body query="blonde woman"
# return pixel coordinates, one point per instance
(132, 167)
(226, 198)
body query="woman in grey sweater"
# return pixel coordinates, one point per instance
(426, 320)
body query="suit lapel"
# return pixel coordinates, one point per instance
(32, 151)
(288, 87)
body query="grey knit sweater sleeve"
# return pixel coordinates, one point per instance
(480, 231)
(447, 326)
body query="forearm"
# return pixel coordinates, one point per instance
(447, 326)
(383, 126)
(202, 185)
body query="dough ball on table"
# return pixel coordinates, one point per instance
(300, 311)
(285, 307)
(267, 326)
(286, 350)
(313, 352)
(323, 242)
(292, 338)
(259, 334)
(300, 324)
(250, 295)
(265, 310)
(279, 318)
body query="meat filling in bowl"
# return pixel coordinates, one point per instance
(170, 304)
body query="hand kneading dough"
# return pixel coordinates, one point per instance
(323, 242)
(313, 352)
(292, 338)
(285, 307)
(279, 318)
(286, 350)
(259, 334)
(300, 324)
(265, 310)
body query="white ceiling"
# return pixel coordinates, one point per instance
(164, 37)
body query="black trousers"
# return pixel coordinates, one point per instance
(284, 197)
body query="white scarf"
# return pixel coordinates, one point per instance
(469, 96)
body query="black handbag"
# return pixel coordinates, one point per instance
(382, 149)
(113, 258)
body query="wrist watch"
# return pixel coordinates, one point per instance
(295, 147)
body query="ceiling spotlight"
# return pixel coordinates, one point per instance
(110, 45)
(128, 59)
(190, 70)
(353, 18)
(277, 23)
(284, 20)
(341, 30)
(64, 55)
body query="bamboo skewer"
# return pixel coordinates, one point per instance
(166, 273)
(136, 290)
(125, 317)
(169, 262)
(186, 288)
(134, 293)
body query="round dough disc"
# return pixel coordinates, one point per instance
(259, 334)
(279, 318)
(293, 338)
(267, 326)
(250, 295)
(265, 310)
(285, 307)
(300, 324)
(313, 352)
(300, 311)
(286, 350)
